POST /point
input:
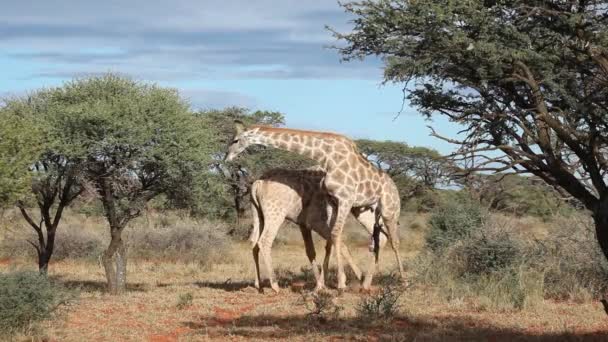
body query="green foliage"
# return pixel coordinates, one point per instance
(522, 196)
(136, 140)
(525, 79)
(414, 169)
(452, 222)
(25, 298)
(21, 140)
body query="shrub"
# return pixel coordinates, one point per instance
(452, 222)
(77, 243)
(322, 305)
(485, 254)
(382, 305)
(184, 300)
(571, 260)
(498, 270)
(71, 242)
(26, 298)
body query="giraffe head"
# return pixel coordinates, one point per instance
(243, 138)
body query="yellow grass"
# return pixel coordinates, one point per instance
(225, 306)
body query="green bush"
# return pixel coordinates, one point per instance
(452, 222)
(26, 298)
(499, 269)
(485, 254)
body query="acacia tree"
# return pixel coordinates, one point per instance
(134, 140)
(28, 160)
(56, 184)
(424, 165)
(527, 80)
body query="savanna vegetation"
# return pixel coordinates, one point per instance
(120, 219)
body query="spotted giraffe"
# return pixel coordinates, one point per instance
(298, 196)
(351, 180)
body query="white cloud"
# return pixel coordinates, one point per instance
(184, 39)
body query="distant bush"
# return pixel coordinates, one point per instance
(205, 243)
(489, 253)
(71, 242)
(26, 298)
(499, 269)
(77, 243)
(452, 222)
(571, 260)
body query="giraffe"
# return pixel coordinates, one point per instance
(298, 196)
(351, 180)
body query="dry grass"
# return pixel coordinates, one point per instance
(224, 305)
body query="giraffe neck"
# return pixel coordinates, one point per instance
(313, 145)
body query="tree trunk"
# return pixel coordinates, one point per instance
(600, 217)
(46, 251)
(238, 206)
(116, 276)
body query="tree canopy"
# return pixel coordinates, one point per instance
(21, 140)
(424, 165)
(129, 141)
(526, 79)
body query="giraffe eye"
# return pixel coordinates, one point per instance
(235, 141)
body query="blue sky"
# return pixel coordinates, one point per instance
(262, 54)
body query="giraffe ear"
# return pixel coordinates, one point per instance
(239, 126)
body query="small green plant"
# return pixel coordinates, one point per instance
(184, 300)
(321, 305)
(26, 298)
(384, 304)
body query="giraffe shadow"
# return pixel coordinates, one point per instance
(228, 286)
(397, 328)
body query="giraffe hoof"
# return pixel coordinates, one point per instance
(275, 288)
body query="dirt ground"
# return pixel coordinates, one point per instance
(225, 306)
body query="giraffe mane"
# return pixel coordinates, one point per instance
(299, 131)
